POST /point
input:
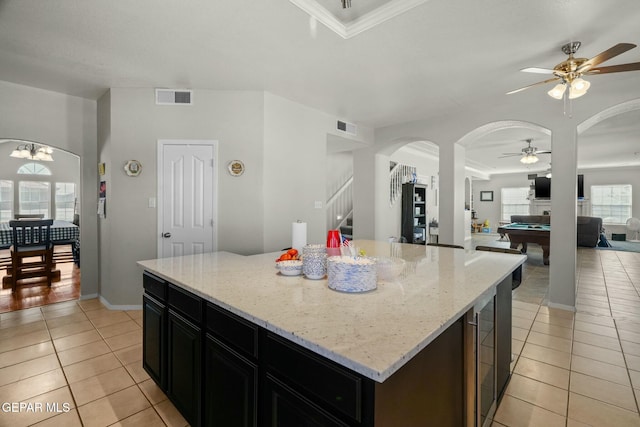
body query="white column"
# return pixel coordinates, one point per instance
(364, 193)
(452, 175)
(562, 257)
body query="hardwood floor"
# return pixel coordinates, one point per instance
(35, 292)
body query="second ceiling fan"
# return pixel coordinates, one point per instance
(529, 154)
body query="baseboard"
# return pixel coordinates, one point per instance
(88, 296)
(570, 308)
(119, 307)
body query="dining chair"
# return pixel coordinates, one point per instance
(29, 216)
(516, 276)
(31, 250)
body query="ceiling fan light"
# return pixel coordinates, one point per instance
(580, 85)
(529, 159)
(557, 91)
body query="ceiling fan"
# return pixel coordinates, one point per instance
(529, 153)
(570, 71)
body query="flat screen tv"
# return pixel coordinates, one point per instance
(580, 187)
(543, 188)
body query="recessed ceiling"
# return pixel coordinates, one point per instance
(361, 16)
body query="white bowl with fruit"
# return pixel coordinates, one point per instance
(289, 263)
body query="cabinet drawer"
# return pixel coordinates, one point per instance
(319, 378)
(233, 330)
(187, 304)
(155, 286)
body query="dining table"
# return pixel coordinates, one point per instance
(62, 233)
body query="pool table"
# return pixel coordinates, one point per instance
(522, 233)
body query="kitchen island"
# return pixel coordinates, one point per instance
(291, 349)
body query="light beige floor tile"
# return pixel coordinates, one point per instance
(130, 354)
(83, 352)
(170, 414)
(125, 340)
(113, 408)
(555, 320)
(60, 311)
(515, 412)
(96, 387)
(147, 418)
(88, 368)
(547, 355)
(152, 391)
(9, 321)
(66, 320)
(599, 353)
(627, 335)
(635, 379)
(91, 304)
(32, 386)
(537, 393)
(526, 306)
(628, 325)
(543, 372)
(519, 333)
(76, 340)
(595, 368)
(137, 372)
(592, 303)
(25, 353)
(22, 330)
(118, 328)
(606, 391)
(525, 314)
(633, 362)
(593, 310)
(556, 331)
(550, 341)
(597, 413)
(66, 419)
(521, 323)
(70, 329)
(597, 340)
(629, 347)
(557, 312)
(134, 314)
(15, 342)
(102, 318)
(574, 423)
(27, 369)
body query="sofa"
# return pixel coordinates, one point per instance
(588, 227)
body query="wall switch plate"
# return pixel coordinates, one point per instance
(152, 202)
(317, 204)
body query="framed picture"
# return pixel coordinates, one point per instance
(486, 196)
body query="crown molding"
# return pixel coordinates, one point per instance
(365, 22)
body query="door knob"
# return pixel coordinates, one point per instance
(166, 235)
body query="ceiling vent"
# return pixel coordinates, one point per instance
(349, 128)
(174, 97)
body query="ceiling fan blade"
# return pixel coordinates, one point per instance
(535, 84)
(509, 155)
(604, 56)
(633, 66)
(543, 152)
(537, 70)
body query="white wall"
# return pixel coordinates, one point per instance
(68, 123)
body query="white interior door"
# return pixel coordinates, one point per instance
(186, 193)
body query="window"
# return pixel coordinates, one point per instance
(514, 201)
(65, 200)
(6, 200)
(34, 197)
(33, 169)
(612, 203)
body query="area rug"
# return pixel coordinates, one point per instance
(622, 246)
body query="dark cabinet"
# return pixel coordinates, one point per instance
(288, 408)
(414, 213)
(230, 387)
(184, 367)
(154, 357)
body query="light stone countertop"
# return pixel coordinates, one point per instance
(372, 333)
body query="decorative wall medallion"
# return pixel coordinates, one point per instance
(235, 167)
(133, 168)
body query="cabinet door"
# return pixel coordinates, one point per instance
(154, 355)
(231, 387)
(184, 367)
(287, 408)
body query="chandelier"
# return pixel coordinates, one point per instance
(33, 151)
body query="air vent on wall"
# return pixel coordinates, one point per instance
(174, 97)
(349, 128)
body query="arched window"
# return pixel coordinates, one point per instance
(33, 169)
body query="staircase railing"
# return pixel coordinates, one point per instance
(340, 205)
(398, 176)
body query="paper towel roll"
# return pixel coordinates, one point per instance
(298, 235)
